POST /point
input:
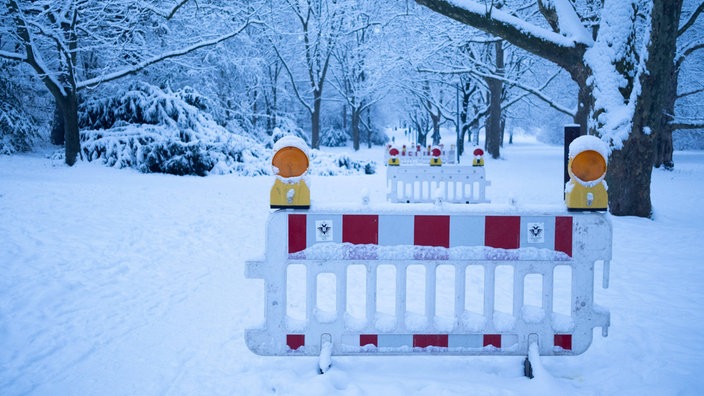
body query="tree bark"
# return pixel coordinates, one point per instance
(356, 119)
(57, 126)
(315, 119)
(630, 168)
(629, 175)
(493, 127)
(663, 141)
(69, 107)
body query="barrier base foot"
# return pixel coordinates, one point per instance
(527, 368)
(325, 360)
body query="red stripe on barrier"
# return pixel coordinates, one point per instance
(296, 232)
(492, 339)
(295, 341)
(368, 339)
(431, 231)
(426, 340)
(563, 234)
(360, 229)
(563, 341)
(503, 232)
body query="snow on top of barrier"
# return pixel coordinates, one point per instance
(357, 206)
(349, 251)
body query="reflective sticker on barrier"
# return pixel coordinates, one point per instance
(324, 230)
(536, 232)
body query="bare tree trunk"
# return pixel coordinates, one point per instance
(493, 127)
(57, 127)
(436, 128)
(69, 110)
(315, 120)
(631, 167)
(355, 121)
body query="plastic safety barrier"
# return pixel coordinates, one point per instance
(462, 282)
(416, 154)
(423, 183)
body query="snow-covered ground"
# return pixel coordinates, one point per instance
(114, 282)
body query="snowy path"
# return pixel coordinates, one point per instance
(118, 283)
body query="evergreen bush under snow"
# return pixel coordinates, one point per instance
(18, 132)
(157, 131)
(333, 137)
(153, 130)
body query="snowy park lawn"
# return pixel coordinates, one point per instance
(114, 282)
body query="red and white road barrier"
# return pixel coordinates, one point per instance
(449, 183)
(400, 282)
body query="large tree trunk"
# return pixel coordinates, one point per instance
(355, 121)
(436, 128)
(464, 125)
(630, 168)
(57, 127)
(628, 177)
(667, 68)
(69, 109)
(496, 86)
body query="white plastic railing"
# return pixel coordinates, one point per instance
(354, 281)
(424, 183)
(415, 154)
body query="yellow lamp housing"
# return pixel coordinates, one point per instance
(587, 164)
(478, 159)
(393, 157)
(435, 159)
(290, 164)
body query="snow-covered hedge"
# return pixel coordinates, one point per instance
(688, 139)
(155, 130)
(333, 137)
(327, 164)
(160, 131)
(18, 133)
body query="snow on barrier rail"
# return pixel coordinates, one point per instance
(423, 183)
(462, 282)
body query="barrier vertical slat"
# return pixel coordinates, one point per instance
(341, 291)
(519, 280)
(548, 289)
(489, 291)
(371, 294)
(311, 294)
(401, 274)
(430, 286)
(460, 293)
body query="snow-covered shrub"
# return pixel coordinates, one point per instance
(18, 131)
(688, 139)
(333, 137)
(152, 130)
(287, 127)
(327, 164)
(378, 136)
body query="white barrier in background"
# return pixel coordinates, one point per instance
(399, 283)
(416, 154)
(422, 183)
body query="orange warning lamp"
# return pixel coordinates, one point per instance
(290, 164)
(587, 164)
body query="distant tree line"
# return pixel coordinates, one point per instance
(335, 71)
